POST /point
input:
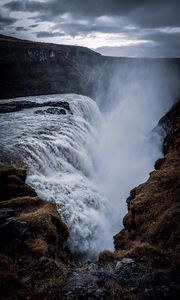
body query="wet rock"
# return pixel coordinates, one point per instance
(52, 111)
(127, 260)
(119, 265)
(56, 107)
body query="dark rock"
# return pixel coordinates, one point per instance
(12, 233)
(19, 105)
(44, 68)
(6, 171)
(46, 268)
(32, 238)
(52, 111)
(12, 190)
(159, 163)
(6, 213)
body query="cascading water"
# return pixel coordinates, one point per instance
(61, 162)
(87, 161)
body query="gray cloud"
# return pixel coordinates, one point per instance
(156, 44)
(46, 34)
(157, 14)
(79, 7)
(34, 25)
(146, 50)
(136, 20)
(6, 20)
(73, 28)
(148, 13)
(21, 28)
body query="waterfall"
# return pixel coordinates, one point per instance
(87, 160)
(61, 158)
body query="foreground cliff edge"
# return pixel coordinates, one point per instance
(35, 262)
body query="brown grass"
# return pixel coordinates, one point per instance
(21, 202)
(117, 292)
(106, 256)
(38, 245)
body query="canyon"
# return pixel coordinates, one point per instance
(64, 182)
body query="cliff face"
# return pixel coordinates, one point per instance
(31, 68)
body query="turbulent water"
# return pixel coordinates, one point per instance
(87, 161)
(61, 163)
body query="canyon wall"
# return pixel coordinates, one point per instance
(31, 68)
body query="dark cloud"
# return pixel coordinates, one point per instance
(21, 28)
(163, 37)
(73, 28)
(157, 14)
(151, 22)
(148, 13)
(6, 20)
(28, 6)
(45, 34)
(79, 7)
(34, 25)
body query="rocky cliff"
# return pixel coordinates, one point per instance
(31, 68)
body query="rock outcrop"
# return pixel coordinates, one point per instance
(31, 68)
(60, 106)
(34, 258)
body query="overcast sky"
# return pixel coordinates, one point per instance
(148, 28)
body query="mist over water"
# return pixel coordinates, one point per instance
(88, 161)
(138, 96)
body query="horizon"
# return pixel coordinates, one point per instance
(94, 50)
(117, 29)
